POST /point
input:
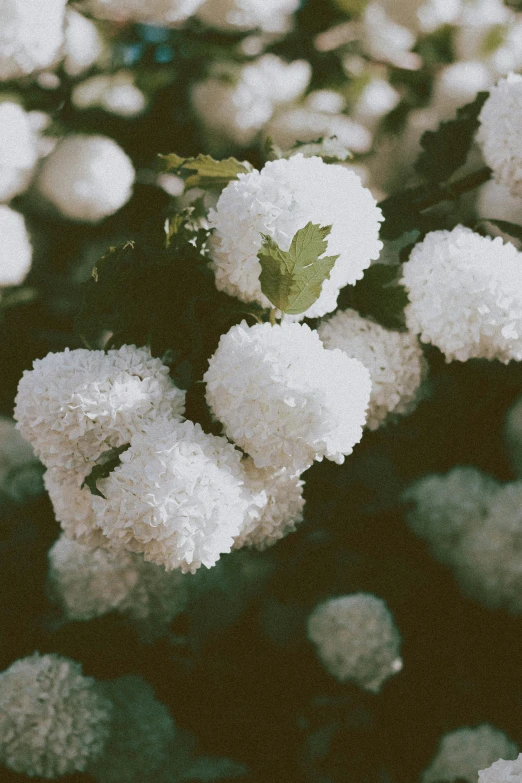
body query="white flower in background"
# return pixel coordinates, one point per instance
(300, 123)
(487, 30)
(423, 15)
(285, 399)
(498, 134)
(156, 12)
(178, 497)
(270, 16)
(283, 509)
(280, 200)
(83, 45)
(116, 93)
(16, 251)
(87, 178)
(31, 34)
(463, 752)
(383, 39)
(502, 772)
(377, 99)
(73, 406)
(465, 294)
(234, 106)
(513, 436)
(356, 639)
(18, 150)
(456, 85)
(20, 473)
(53, 719)
(496, 201)
(72, 505)
(394, 360)
(325, 101)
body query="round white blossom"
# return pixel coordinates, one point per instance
(282, 511)
(72, 505)
(31, 34)
(178, 497)
(513, 436)
(18, 150)
(87, 178)
(16, 251)
(116, 93)
(377, 99)
(300, 123)
(280, 200)
(465, 294)
(394, 360)
(271, 16)
(463, 752)
(83, 45)
(20, 473)
(74, 405)
(53, 719)
(502, 772)
(498, 134)
(356, 639)
(284, 398)
(156, 12)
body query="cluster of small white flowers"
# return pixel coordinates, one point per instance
(83, 46)
(53, 719)
(17, 250)
(280, 200)
(20, 474)
(157, 12)
(465, 295)
(356, 639)
(463, 752)
(502, 772)
(18, 150)
(86, 178)
(284, 398)
(72, 504)
(498, 134)
(394, 360)
(31, 34)
(270, 16)
(116, 93)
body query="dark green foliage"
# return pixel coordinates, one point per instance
(512, 229)
(379, 295)
(110, 460)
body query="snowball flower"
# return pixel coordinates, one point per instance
(270, 16)
(53, 719)
(156, 12)
(31, 33)
(498, 135)
(394, 360)
(465, 294)
(117, 93)
(356, 639)
(16, 252)
(502, 772)
(463, 752)
(18, 150)
(178, 497)
(20, 473)
(284, 398)
(72, 505)
(280, 200)
(87, 178)
(73, 406)
(83, 45)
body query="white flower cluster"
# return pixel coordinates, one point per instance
(394, 360)
(502, 772)
(280, 200)
(31, 34)
(86, 178)
(20, 474)
(284, 398)
(116, 93)
(498, 134)
(163, 13)
(465, 294)
(270, 16)
(18, 150)
(53, 719)
(17, 250)
(356, 639)
(83, 45)
(463, 752)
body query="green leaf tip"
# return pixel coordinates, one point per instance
(204, 171)
(292, 280)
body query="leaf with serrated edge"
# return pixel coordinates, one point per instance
(293, 280)
(204, 171)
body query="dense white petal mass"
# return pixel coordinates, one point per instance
(394, 360)
(18, 150)
(280, 200)
(284, 398)
(502, 771)
(463, 752)
(179, 496)
(498, 134)
(20, 473)
(356, 639)
(87, 178)
(31, 33)
(53, 719)
(73, 406)
(271, 16)
(16, 250)
(72, 505)
(156, 12)
(83, 45)
(465, 294)
(282, 511)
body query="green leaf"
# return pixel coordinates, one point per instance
(446, 149)
(111, 460)
(293, 280)
(204, 171)
(512, 229)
